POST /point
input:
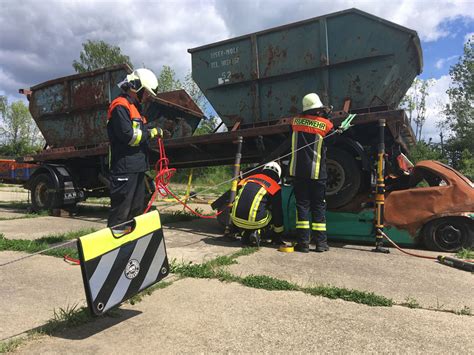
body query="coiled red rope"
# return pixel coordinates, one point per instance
(162, 179)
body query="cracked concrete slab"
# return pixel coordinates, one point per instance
(32, 288)
(196, 241)
(208, 316)
(34, 228)
(393, 275)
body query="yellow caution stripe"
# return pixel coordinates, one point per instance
(103, 241)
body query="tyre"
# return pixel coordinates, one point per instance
(43, 193)
(448, 234)
(344, 177)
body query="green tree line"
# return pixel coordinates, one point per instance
(456, 140)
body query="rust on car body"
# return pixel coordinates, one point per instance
(449, 194)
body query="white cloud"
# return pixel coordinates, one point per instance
(469, 36)
(40, 39)
(427, 17)
(441, 62)
(435, 102)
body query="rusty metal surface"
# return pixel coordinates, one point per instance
(217, 148)
(413, 206)
(56, 154)
(72, 111)
(179, 99)
(263, 76)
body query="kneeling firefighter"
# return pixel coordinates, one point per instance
(258, 205)
(128, 137)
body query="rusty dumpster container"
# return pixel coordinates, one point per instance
(72, 110)
(347, 55)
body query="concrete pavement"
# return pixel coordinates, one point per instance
(208, 316)
(393, 275)
(195, 315)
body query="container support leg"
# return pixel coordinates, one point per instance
(188, 188)
(380, 192)
(233, 188)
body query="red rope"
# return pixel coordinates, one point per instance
(162, 179)
(71, 260)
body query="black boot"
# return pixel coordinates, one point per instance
(254, 238)
(302, 247)
(321, 247)
(321, 243)
(245, 239)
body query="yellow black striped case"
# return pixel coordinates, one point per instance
(116, 266)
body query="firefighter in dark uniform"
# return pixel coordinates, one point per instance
(308, 168)
(258, 205)
(128, 137)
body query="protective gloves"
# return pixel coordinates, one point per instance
(155, 132)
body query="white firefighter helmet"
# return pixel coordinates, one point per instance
(274, 166)
(141, 79)
(311, 101)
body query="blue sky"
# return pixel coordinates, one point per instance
(439, 55)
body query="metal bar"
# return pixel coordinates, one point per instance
(324, 60)
(233, 188)
(255, 84)
(188, 188)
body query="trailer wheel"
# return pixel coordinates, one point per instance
(448, 234)
(344, 177)
(43, 192)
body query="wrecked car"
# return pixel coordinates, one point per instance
(435, 204)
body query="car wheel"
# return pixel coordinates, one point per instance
(43, 193)
(344, 177)
(448, 234)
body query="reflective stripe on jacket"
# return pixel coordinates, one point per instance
(127, 136)
(308, 132)
(270, 185)
(258, 202)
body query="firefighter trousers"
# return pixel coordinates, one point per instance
(310, 204)
(127, 197)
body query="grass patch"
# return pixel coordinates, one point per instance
(465, 311)
(177, 216)
(10, 345)
(212, 270)
(34, 246)
(268, 283)
(410, 303)
(362, 297)
(25, 216)
(465, 254)
(15, 205)
(69, 317)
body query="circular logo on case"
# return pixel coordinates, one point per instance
(132, 269)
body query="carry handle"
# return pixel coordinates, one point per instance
(123, 229)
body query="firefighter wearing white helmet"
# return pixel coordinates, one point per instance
(258, 206)
(129, 136)
(308, 169)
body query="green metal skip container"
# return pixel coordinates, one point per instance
(350, 54)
